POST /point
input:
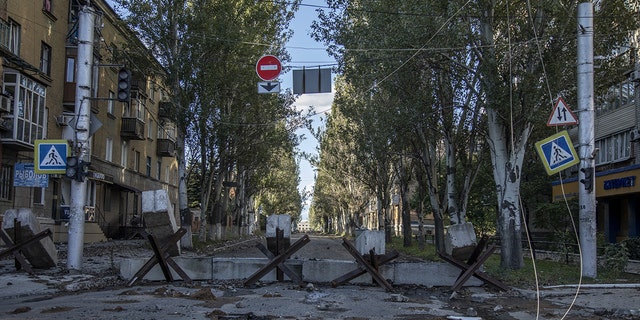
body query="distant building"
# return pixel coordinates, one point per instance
(304, 226)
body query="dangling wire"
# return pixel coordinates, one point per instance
(564, 195)
(522, 216)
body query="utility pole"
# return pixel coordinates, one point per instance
(586, 194)
(86, 20)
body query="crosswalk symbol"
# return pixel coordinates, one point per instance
(557, 152)
(50, 156)
(53, 158)
(557, 155)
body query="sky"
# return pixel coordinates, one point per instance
(304, 51)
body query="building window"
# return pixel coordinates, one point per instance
(10, 36)
(148, 166)
(619, 95)
(38, 196)
(46, 5)
(140, 110)
(126, 110)
(613, 148)
(150, 128)
(29, 114)
(45, 59)
(123, 154)
(108, 149)
(110, 102)
(6, 182)
(159, 169)
(136, 161)
(70, 70)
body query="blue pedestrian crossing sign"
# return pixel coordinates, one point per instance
(51, 156)
(557, 152)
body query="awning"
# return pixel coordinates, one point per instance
(127, 188)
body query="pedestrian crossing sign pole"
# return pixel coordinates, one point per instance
(51, 156)
(557, 152)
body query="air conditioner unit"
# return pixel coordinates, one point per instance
(63, 120)
(634, 75)
(634, 135)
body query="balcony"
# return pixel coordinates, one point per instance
(165, 148)
(132, 129)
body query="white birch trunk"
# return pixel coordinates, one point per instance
(507, 164)
(455, 216)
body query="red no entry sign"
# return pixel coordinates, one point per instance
(268, 67)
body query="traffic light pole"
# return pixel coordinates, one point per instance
(586, 193)
(86, 21)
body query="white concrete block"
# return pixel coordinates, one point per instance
(159, 219)
(371, 239)
(41, 254)
(156, 201)
(278, 221)
(460, 240)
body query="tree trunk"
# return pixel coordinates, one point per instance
(507, 164)
(455, 216)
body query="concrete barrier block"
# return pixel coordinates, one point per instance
(195, 268)
(460, 240)
(156, 201)
(433, 274)
(41, 254)
(243, 268)
(371, 239)
(315, 271)
(158, 216)
(278, 221)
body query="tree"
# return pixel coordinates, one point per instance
(518, 81)
(199, 43)
(416, 101)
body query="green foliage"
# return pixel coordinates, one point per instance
(549, 272)
(428, 253)
(633, 245)
(616, 258)
(556, 217)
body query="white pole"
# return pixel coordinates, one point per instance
(81, 147)
(586, 140)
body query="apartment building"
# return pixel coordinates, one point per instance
(617, 157)
(133, 142)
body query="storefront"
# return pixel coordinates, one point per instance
(617, 194)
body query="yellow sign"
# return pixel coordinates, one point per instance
(557, 152)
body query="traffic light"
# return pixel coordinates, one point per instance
(76, 169)
(71, 171)
(588, 178)
(124, 84)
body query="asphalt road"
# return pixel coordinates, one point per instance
(98, 293)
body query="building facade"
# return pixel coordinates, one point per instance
(132, 144)
(617, 157)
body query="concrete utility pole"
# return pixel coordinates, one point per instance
(587, 195)
(86, 20)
